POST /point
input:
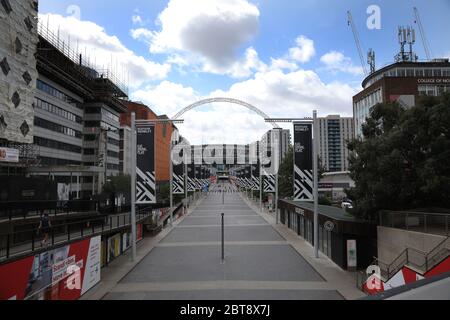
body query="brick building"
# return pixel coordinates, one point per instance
(163, 133)
(403, 82)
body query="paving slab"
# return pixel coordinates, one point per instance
(203, 263)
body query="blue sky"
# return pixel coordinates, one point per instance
(324, 62)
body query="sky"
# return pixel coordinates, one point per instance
(285, 57)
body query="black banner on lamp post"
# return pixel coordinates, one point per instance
(191, 177)
(303, 162)
(145, 166)
(178, 178)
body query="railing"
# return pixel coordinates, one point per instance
(33, 209)
(21, 242)
(434, 223)
(23, 209)
(420, 261)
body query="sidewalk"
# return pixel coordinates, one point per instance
(262, 261)
(122, 265)
(343, 280)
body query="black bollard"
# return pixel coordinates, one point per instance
(223, 238)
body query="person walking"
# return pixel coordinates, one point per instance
(44, 227)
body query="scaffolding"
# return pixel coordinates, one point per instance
(102, 79)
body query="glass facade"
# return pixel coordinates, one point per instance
(45, 87)
(363, 107)
(46, 106)
(48, 143)
(410, 72)
(305, 229)
(433, 90)
(45, 124)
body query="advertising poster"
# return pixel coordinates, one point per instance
(139, 234)
(126, 241)
(64, 273)
(9, 155)
(145, 169)
(113, 247)
(351, 254)
(303, 162)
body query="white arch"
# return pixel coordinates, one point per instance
(227, 100)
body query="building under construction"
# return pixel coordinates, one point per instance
(73, 117)
(18, 42)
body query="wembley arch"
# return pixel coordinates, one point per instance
(225, 100)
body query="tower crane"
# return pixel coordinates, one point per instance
(357, 41)
(426, 45)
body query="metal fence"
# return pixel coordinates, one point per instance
(434, 223)
(35, 208)
(18, 243)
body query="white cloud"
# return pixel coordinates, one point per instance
(105, 50)
(274, 91)
(293, 94)
(336, 61)
(167, 97)
(212, 30)
(304, 50)
(283, 64)
(242, 68)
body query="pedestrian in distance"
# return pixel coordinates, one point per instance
(45, 227)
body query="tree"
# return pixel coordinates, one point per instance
(402, 162)
(118, 184)
(285, 172)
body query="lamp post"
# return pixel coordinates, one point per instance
(316, 182)
(315, 171)
(133, 185)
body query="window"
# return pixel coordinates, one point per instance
(89, 152)
(89, 137)
(437, 72)
(114, 142)
(92, 110)
(49, 107)
(43, 142)
(58, 162)
(401, 72)
(446, 72)
(57, 128)
(410, 72)
(92, 124)
(428, 72)
(44, 87)
(420, 73)
(110, 115)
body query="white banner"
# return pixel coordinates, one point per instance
(9, 155)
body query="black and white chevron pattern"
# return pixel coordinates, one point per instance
(177, 184)
(303, 185)
(145, 187)
(269, 183)
(190, 185)
(256, 184)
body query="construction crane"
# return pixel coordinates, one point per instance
(357, 41)
(426, 45)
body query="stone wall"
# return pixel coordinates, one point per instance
(18, 44)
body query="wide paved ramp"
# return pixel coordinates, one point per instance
(259, 262)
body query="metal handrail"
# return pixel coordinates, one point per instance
(70, 232)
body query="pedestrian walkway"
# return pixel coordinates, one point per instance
(261, 262)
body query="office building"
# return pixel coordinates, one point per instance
(76, 118)
(403, 82)
(334, 134)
